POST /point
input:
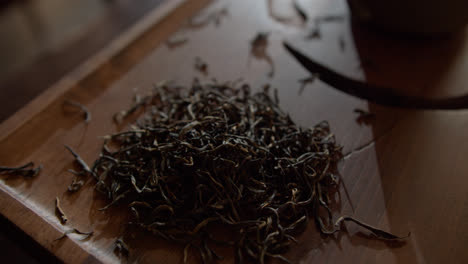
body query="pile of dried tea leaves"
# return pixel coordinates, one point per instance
(217, 157)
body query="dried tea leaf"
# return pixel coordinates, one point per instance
(331, 18)
(258, 49)
(365, 117)
(341, 43)
(120, 247)
(314, 33)
(23, 170)
(87, 113)
(300, 11)
(306, 81)
(75, 185)
(174, 42)
(76, 231)
(59, 212)
(186, 249)
(379, 233)
(214, 17)
(216, 156)
(201, 66)
(79, 160)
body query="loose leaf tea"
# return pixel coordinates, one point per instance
(341, 43)
(121, 247)
(26, 170)
(316, 30)
(258, 49)
(59, 212)
(87, 113)
(364, 117)
(219, 156)
(214, 17)
(75, 185)
(376, 231)
(79, 160)
(181, 37)
(201, 66)
(306, 81)
(300, 11)
(76, 231)
(176, 41)
(330, 18)
(315, 33)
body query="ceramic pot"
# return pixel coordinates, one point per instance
(422, 17)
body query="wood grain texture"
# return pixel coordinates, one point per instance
(411, 178)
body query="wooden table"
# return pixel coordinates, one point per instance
(407, 171)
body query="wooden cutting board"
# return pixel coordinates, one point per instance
(407, 171)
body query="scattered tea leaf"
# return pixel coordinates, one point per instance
(330, 18)
(26, 170)
(87, 113)
(341, 43)
(379, 233)
(79, 160)
(75, 185)
(175, 41)
(219, 155)
(300, 11)
(315, 32)
(214, 17)
(258, 49)
(364, 117)
(120, 247)
(59, 212)
(306, 81)
(201, 66)
(76, 231)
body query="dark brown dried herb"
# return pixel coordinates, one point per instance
(316, 30)
(201, 66)
(26, 170)
(87, 113)
(75, 231)
(315, 33)
(365, 117)
(258, 49)
(120, 247)
(59, 212)
(214, 17)
(341, 43)
(181, 38)
(300, 11)
(75, 185)
(379, 233)
(217, 155)
(79, 160)
(174, 42)
(306, 81)
(138, 103)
